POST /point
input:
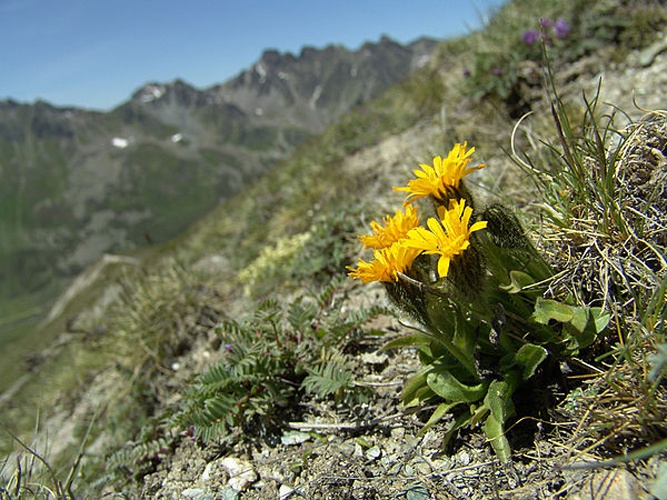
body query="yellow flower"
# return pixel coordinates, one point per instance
(395, 228)
(385, 264)
(456, 221)
(446, 237)
(443, 177)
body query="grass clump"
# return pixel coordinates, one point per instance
(602, 200)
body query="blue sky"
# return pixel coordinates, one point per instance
(95, 53)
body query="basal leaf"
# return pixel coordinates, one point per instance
(416, 388)
(580, 318)
(547, 310)
(498, 399)
(600, 318)
(579, 340)
(415, 339)
(442, 410)
(582, 329)
(495, 433)
(447, 386)
(518, 281)
(530, 356)
(596, 322)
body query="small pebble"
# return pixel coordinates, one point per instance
(374, 453)
(284, 491)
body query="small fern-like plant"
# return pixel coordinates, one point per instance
(136, 459)
(331, 377)
(269, 360)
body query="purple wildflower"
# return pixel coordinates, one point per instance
(561, 28)
(466, 73)
(530, 37)
(546, 23)
(497, 71)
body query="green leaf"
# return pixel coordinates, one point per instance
(495, 433)
(478, 414)
(600, 318)
(466, 334)
(596, 322)
(530, 356)
(447, 386)
(582, 324)
(580, 318)
(416, 388)
(579, 340)
(415, 339)
(582, 330)
(547, 310)
(442, 410)
(498, 399)
(518, 282)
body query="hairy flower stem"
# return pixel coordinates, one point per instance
(467, 360)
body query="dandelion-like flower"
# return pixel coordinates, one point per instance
(456, 221)
(385, 265)
(395, 228)
(443, 178)
(446, 237)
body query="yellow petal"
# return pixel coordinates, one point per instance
(443, 266)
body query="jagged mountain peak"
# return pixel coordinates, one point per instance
(149, 92)
(319, 84)
(177, 92)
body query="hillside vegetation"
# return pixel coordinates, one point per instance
(240, 361)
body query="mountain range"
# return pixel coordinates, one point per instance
(77, 183)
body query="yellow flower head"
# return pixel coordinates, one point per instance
(446, 237)
(456, 221)
(395, 228)
(386, 263)
(443, 177)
